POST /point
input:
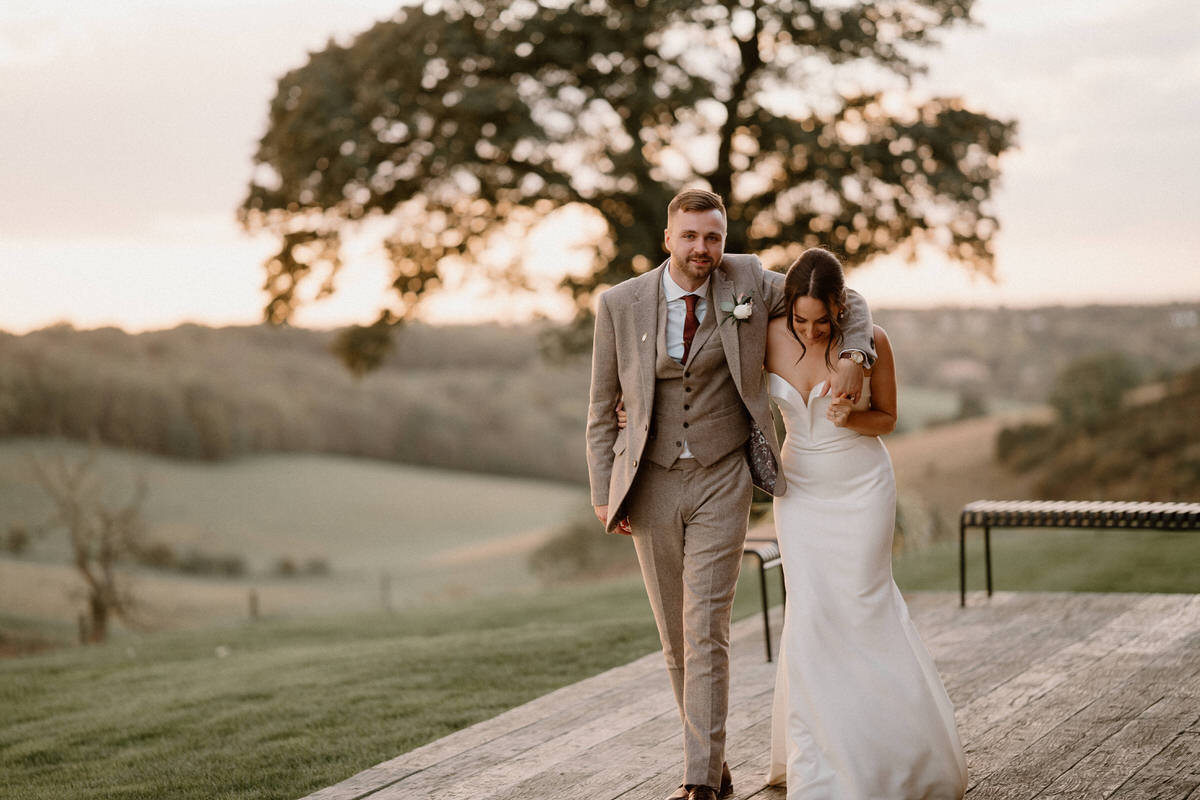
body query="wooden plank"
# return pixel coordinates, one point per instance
(489, 762)
(651, 752)
(1174, 774)
(1122, 755)
(1081, 736)
(1004, 729)
(1039, 675)
(989, 648)
(545, 757)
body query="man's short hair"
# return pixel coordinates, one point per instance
(695, 200)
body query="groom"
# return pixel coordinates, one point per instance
(682, 346)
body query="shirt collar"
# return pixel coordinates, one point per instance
(672, 291)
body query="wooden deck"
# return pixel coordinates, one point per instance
(1057, 695)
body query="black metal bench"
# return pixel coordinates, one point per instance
(767, 553)
(988, 514)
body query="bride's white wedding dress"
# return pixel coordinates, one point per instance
(860, 712)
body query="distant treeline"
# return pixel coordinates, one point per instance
(468, 398)
(1016, 353)
(482, 397)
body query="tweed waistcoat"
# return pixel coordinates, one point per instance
(698, 399)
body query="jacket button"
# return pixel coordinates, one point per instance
(635, 462)
(685, 424)
(679, 444)
(687, 388)
(687, 374)
(686, 407)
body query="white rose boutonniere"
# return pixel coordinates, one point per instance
(738, 309)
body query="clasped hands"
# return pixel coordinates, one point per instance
(839, 411)
(845, 387)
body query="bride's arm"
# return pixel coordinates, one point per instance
(880, 418)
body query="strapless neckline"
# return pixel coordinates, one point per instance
(803, 399)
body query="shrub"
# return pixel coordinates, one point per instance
(157, 555)
(197, 563)
(317, 566)
(1025, 445)
(16, 541)
(1090, 389)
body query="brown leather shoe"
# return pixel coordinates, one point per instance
(725, 791)
(702, 793)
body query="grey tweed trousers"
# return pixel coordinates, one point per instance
(689, 529)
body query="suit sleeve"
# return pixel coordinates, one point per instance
(602, 403)
(858, 330)
(773, 293)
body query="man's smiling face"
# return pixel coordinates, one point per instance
(696, 242)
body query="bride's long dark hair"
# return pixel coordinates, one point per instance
(818, 274)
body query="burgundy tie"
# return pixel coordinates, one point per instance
(690, 323)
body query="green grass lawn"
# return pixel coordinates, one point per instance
(279, 708)
(293, 706)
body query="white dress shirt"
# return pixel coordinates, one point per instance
(676, 313)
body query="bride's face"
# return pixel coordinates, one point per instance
(811, 320)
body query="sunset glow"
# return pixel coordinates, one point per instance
(138, 120)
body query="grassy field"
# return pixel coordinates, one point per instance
(436, 534)
(278, 709)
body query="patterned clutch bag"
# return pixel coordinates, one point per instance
(761, 460)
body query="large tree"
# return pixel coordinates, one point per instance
(465, 120)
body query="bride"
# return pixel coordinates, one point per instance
(860, 712)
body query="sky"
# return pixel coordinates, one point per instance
(129, 128)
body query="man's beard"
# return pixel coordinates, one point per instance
(698, 270)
